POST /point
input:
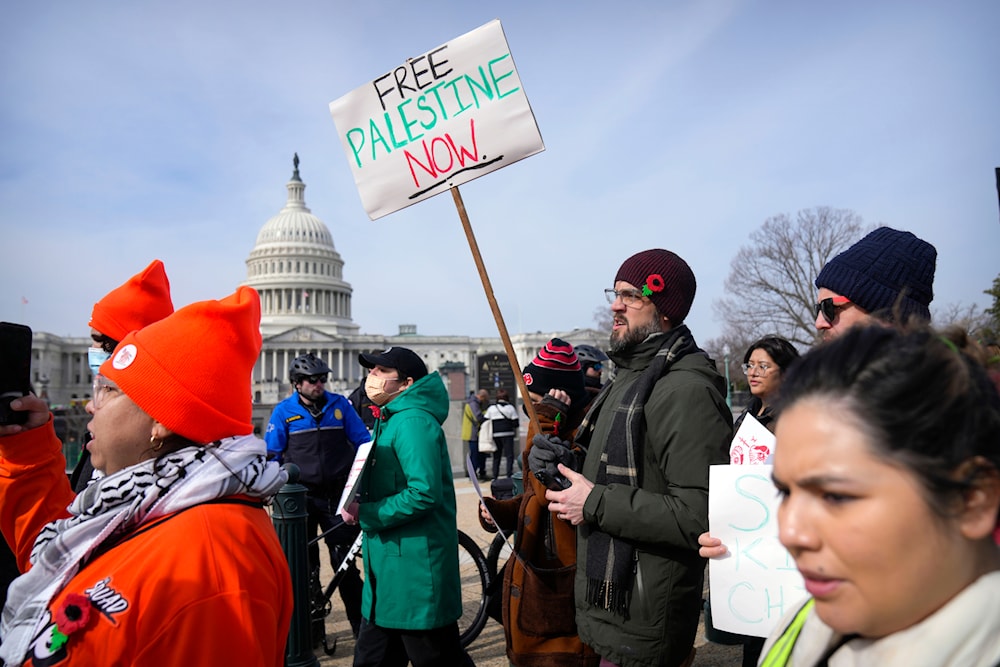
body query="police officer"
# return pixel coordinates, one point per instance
(320, 431)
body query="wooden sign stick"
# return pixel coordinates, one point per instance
(497, 315)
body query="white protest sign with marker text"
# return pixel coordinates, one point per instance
(756, 582)
(438, 120)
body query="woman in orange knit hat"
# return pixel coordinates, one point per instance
(173, 540)
(139, 301)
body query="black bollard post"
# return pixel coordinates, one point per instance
(289, 516)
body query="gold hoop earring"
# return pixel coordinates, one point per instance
(155, 447)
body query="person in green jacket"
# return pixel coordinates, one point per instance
(412, 592)
(640, 499)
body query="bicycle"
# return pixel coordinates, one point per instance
(475, 580)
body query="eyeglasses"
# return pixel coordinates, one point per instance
(103, 390)
(314, 379)
(597, 367)
(831, 307)
(630, 297)
(759, 369)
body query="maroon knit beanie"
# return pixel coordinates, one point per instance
(665, 278)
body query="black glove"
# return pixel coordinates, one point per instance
(547, 451)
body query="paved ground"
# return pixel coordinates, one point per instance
(488, 649)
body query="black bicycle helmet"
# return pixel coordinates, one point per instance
(305, 365)
(589, 355)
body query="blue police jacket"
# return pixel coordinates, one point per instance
(322, 448)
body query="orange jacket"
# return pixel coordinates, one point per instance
(207, 585)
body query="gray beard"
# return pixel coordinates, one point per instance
(633, 336)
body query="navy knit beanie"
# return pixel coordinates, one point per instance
(665, 278)
(555, 367)
(874, 273)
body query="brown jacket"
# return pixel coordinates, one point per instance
(538, 614)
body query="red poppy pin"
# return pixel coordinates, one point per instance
(376, 411)
(654, 283)
(71, 617)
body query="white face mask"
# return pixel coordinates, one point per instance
(95, 357)
(375, 388)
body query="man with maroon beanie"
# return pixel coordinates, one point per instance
(640, 498)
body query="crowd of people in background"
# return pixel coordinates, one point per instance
(887, 462)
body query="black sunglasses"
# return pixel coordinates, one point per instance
(314, 379)
(831, 307)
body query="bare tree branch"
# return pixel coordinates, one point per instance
(770, 283)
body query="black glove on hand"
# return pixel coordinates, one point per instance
(547, 451)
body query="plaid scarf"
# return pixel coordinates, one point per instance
(116, 505)
(609, 560)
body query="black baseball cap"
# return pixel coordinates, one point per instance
(403, 360)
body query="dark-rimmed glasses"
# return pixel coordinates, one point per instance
(630, 297)
(831, 307)
(314, 379)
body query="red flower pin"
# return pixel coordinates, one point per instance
(654, 283)
(73, 614)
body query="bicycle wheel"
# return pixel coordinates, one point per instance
(475, 579)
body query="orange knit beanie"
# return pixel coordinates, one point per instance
(142, 300)
(192, 370)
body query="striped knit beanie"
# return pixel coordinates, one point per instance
(882, 268)
(556, 367)
(663, 277)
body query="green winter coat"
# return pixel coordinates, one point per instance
(407, 513)
(688, 428)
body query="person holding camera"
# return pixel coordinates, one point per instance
(538, 614)
(640, 498)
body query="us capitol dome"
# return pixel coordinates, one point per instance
(305, 307)
(297, 271)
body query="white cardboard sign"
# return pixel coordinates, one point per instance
(437, 120)
(351, 489)
(754, 584)
(753, 444)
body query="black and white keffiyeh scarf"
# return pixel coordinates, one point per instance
(609, 560)
(117, 504)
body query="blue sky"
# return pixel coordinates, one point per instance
(166, 129)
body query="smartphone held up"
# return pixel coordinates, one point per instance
(15, 370)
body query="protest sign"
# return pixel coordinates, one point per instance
(753, 444)
(754, 584)
(351, 489)
(436, 121)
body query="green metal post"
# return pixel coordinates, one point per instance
(289, 516)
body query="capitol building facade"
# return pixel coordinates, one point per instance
(306, 307)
